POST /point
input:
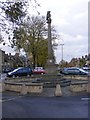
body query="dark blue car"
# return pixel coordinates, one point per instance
(7, 70)
(21, 71)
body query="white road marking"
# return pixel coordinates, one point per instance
(85, 98)
(9, 99)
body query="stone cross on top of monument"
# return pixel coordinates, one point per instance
(48, 18)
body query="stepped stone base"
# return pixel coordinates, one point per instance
(51, 68)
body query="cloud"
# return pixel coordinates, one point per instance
(74, 46)
(71, 20)
(7, 49)
(74, 30)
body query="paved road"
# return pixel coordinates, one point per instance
(15, 106)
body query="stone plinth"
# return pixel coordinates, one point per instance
(51, 68)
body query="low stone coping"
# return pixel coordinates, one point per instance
(13, 83)
(33, 84)
(30, 84)
(77, 77)
(23, 88)
(79, 83)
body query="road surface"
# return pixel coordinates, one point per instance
(16, 106)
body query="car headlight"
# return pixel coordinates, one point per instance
(9, 73)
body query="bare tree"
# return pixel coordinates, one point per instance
(12, 15)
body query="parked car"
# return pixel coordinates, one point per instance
(21, 71)
(7, 70)
(86, 69)
(74, 71)
(39, 70)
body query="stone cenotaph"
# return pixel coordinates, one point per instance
(50, 67)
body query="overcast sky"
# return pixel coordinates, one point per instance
(70, 18)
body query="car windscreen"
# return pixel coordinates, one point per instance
(83, 70)
(15, 70)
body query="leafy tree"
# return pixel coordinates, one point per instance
(15, 13)
(63, 64)
(32, 38)
(42, 53)
(82, 62)
(25, 32)
(30, 35)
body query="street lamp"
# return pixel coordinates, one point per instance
(62, 50)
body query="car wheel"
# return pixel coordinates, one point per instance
(13, 76)
(17, 76)
(42, 73)
(28, 75)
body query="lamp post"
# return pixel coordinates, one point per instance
(62, 51)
